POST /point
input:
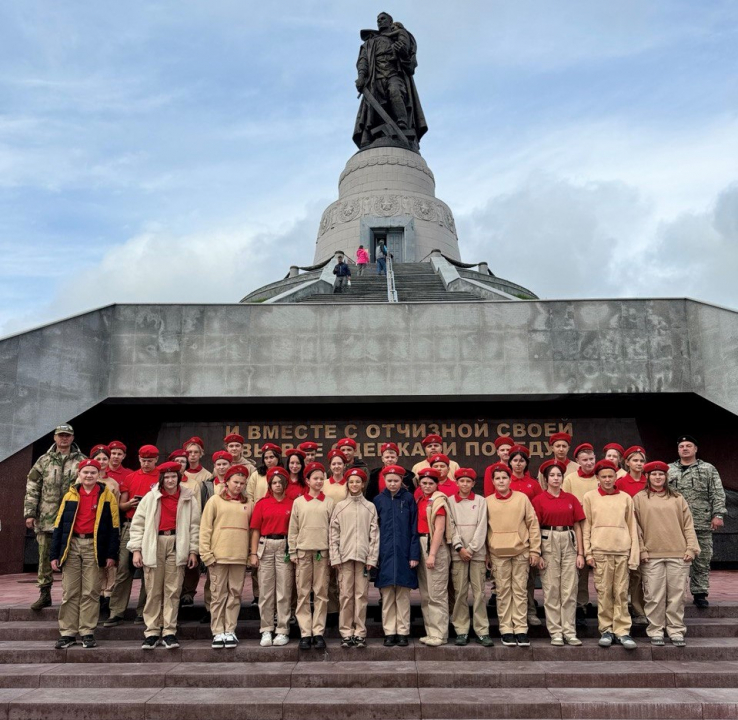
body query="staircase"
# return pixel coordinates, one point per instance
(416, 282)
(119, 680)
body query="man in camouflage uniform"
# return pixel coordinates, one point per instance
(702, 488)
(47, 482)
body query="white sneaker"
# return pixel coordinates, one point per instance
(266, 639)
(280, 639)
(218, 641)
(231, 640)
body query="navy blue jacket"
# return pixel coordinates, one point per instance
(398, 539)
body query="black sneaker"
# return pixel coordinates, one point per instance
(485, 641)
(150, 642)
(170, 642)
(113, 621)
(606, 639)
(138, 620)
(347, 642)
(255, 602)
(65, 642)
(88, 641)
(402, 640)
(700, 600)
(508, 639)
(305, 643)
(581, 621)
(205, 619)
(319, 642)
(186, 601)
(462, 640)
(521, 640)
(360, 642)
(390, 640)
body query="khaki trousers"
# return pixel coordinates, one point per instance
(464, 575)
(163, 587)
(226, 584)
(275, 578)
(45, 574)
(635, 591)
(583, 586)
(664, 582)
(559, 581)
(353, 585)
(611, 581)
(312, 574)
(107, 580)
(121, 593)
(395, 610)
(434, 591)
(80, 606)
(511, 579)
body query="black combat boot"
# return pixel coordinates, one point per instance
(44, 599)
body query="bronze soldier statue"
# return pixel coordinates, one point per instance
(390, 113)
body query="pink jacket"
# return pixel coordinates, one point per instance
(362, 256)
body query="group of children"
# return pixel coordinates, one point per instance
(310, 534)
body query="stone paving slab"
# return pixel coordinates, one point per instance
(622, 674)
(10, 695)
(232, 674)
(20, 675)
(480, 674)
(488, 703)
(359, 674)
(104, 675)
(703, 674)
(374, 704)
(216, 704)
(628, 703)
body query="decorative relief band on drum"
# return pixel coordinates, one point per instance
(386, 160)
(386, 206)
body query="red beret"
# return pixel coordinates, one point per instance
(655, 465)
(439, 457)
(233, 437)
(346, 441)
(429, 473)
(308, 446)
(389, 446)
(148, 451)
(237, 470)
(278, 470)
(222, 455)
(88, 463)
(465, 473)
(392, 470)
(552, 463)
(613, 446)
(499, 467)
(605, 465)
(294, 451)
(179, 452)
(504, 440)
(335, 453)
(271, 446)
(117, 445)
(560, 436)
(634, 449)
(170, 467)
(430, 439)
(581, 448)
(355, 471)
(311, 467)
(520, 449)
(100, 449)
(196, 441)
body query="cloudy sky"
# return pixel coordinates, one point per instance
(184, 151)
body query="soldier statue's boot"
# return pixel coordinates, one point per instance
(44, 599)
(700, 600)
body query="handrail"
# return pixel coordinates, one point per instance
(391, 289)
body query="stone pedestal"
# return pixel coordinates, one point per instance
(387, 188)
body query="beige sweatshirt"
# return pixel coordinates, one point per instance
(335, 491)
(469, 526)
(665, 526)
(354, 532)
(224, 531)
(512, 526)
(256, 487)
(309, 524)
(579, 486)
(610, 526)
(439, 500)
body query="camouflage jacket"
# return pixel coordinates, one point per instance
(702, 488)
(50, 477)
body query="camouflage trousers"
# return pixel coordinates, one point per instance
(699, 574)
(45, 574)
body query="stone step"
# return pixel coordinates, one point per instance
(48, 629)
(377, 674)
(284, 703)
(717, 650)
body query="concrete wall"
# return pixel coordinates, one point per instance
(283, 352)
